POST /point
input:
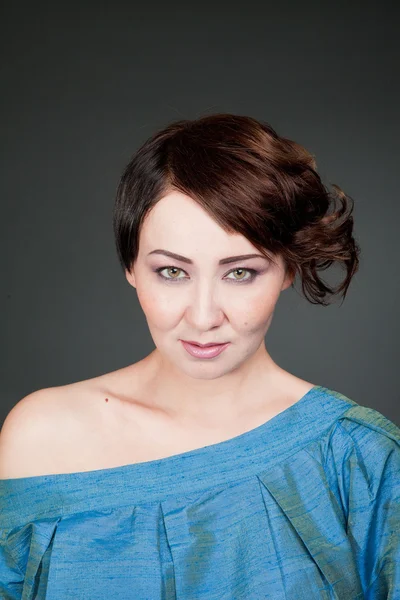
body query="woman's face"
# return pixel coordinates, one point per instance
(200, 299)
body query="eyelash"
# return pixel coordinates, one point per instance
(254, 273)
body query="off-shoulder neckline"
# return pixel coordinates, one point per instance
(246, 437)
(180, 476)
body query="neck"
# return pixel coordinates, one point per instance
(209, 402)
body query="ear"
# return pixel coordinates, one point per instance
(289, 278)
(130, 277)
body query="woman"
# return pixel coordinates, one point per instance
(205, 470)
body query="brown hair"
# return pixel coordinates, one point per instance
(252, 182)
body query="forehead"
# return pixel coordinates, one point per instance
(179, 223)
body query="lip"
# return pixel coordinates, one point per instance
(204, 352)
(204, 345)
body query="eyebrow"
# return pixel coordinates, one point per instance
(223, 261)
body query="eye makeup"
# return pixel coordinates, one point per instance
(253, 274)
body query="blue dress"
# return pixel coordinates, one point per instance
(305, 506)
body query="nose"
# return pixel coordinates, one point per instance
(204, 310)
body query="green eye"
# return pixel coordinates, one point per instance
(253, 274)
(169, 269)
(243, 271)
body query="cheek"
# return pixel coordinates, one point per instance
(254, 313)
(159, 308)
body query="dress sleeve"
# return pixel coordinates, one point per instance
(366, 457)
(11, 577)
(25, 541)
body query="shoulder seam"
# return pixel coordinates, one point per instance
(361, 415)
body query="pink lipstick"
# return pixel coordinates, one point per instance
(204, 351)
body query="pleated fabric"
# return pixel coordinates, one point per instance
(305, 506)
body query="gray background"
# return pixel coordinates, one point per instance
(81, 88)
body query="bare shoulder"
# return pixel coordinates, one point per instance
(63, 428)
(40, 432)
(27, 429)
